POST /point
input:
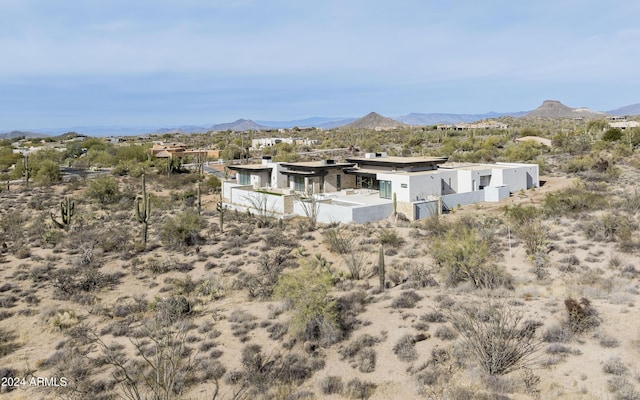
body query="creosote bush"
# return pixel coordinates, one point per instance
(496, 336)
(466, 254)
(581, 316)
(182, 230)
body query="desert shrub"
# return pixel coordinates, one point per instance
(557, 348)
(75, 281)
(331, 385)
(182, 230)
(419, 276)
(276, 238)
(607, 340)
(434, 317)
(104, 188)
(270, 266)
(445, 333)
(612, 135)
(338, 241)
(357, 389)
(315, 315)
(13, 227)
(496, 336)
(465, 254)
(172, 309)
(277, 330)
(363, 341)
(614, 366)
(406, 299)
(571, 201)
(366, 360)
(261, 372)
(389, 237)
(580, 315)
(242, 323)
(557, 334)
(529, 228)
(405, 348)
(623, 389)
(606, 227)
(355, 261)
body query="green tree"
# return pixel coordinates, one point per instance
(612, 135)
(8, 158)
(104, 189)
(47, 173)
(465, 254)
(315, 314)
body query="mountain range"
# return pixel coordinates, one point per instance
(548, 109)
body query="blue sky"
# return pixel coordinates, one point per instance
(171, 62)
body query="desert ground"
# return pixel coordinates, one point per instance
(202, 312)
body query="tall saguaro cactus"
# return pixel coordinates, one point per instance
(143, 211)
(67, 207)
(198, 198)
(221, 210)
(27, 172)
(381, 270)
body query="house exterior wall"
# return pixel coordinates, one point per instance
(406, 209)
(260, 179)
(247, 198)
(346, 181)
(464, 181)
(423, 186)
(397, 183)
(450, 179)
(496, 193)
(520, 176)
(451, 201)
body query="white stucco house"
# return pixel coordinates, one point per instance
(369, 188)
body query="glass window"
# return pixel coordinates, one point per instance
(298, 182)
(338, 182)
(245, 178)
(385, 189)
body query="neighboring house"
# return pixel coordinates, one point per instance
(624, 124)
(367, 189)
(272, 141)
(180, 150)
(480, 125)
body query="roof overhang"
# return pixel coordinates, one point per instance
(250, 168)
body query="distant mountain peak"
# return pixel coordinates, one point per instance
(374, 120)
(555, 109)
(240, 125)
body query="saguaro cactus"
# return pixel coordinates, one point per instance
(198, 198)
(143, 212)
(27, 172)
(381, 267)
(221, 210)
(67, 207)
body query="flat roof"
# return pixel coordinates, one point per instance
(251, 167)
(399, 160)
(317, 164)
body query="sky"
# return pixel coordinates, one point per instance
(69, 63)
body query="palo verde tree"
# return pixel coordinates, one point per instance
(316, 316)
